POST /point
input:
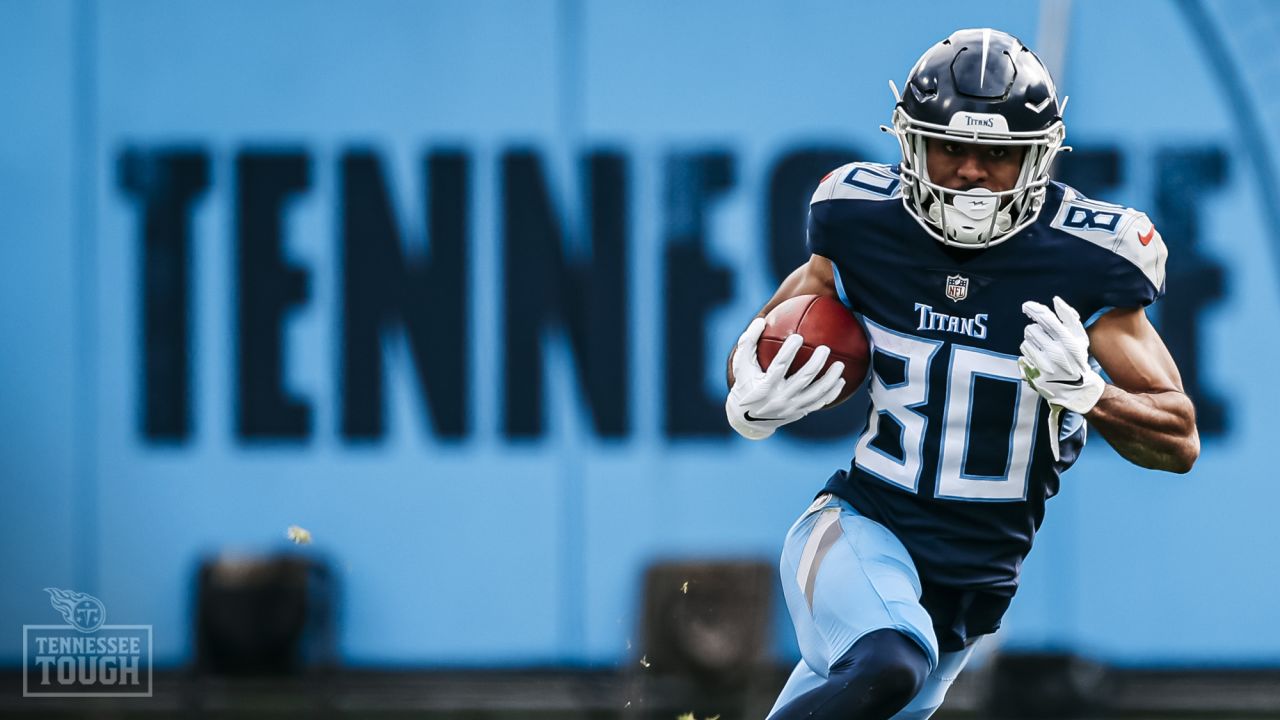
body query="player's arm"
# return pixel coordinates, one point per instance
(816, 277)
(1143, 413)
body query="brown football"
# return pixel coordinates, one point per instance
(820, 320)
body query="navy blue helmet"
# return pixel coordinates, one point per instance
(978, 86)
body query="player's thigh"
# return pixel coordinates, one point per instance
(930, 697)
(844, 576)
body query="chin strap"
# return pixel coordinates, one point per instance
(967, 219)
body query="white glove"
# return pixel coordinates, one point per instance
(1055, 362)
(761, 401)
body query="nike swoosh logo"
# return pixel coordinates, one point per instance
(747, 415)
(1146, 239)
(1077, 382)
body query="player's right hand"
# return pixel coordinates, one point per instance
(761, 401)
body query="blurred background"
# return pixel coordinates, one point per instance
(450, 285)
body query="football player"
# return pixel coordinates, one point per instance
(994, 300)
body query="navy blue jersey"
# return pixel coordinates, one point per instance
(956, 458)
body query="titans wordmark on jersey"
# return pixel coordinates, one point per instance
(956, 459)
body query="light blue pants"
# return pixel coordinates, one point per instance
(844, 576)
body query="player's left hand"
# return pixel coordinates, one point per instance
(1055, 361)
(1055, 357)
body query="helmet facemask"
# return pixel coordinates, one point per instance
(976, 218)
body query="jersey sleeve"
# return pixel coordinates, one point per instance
(1132, 272)
(818, 237)
(865, 181)
(1137, 276)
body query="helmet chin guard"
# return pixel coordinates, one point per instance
(982, 87)
(971, 218)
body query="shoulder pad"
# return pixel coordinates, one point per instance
(1124, 231)
(859, 181)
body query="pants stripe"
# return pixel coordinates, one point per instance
(825, 533)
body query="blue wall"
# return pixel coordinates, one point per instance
(490, 549)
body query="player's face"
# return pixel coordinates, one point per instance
(968, 166)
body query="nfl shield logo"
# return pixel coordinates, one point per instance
(957, 287)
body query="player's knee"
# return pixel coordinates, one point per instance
(895, 683)
(891, 666)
